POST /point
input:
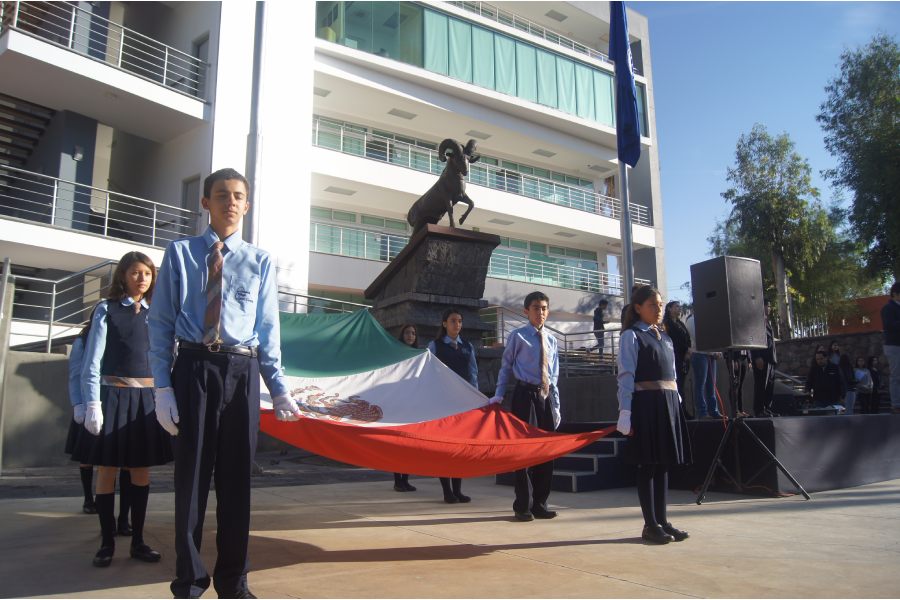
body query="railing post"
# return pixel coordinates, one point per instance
(153, 228)
(52, 316)
(106, 216)
(72, 32)
(121, 46)
(15, 19)
(53, 202)
(165, 65)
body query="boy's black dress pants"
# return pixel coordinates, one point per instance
(533, 483)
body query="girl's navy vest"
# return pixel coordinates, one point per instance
(656, 357)
(127, 342)
(458, 360)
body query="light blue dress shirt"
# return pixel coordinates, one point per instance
(76, 360)
(473, 363)
(522, 358)
(249, 314)
(628, 355)
(95, 347)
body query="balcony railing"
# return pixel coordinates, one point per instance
(71, 27)
(80, 207)
(373, 245)
(361, 143)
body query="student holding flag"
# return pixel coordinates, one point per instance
(216, 298)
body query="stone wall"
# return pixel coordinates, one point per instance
(796, 356)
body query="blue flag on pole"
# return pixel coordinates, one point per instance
(628, 131)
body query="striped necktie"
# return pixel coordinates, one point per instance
(213, 295)
(545, 366)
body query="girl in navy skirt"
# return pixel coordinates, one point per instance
(459, 355)
(410, 337)
(650, 412)
(121, 427)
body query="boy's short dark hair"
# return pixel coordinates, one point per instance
(822, 354)
(895, 289)
(223, 175)
(539, 296)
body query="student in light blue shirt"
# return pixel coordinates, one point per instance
(76, 358)
(227, 334)
(531, 356)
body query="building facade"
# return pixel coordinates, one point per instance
(112, 113)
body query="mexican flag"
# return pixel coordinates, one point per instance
(369, 400)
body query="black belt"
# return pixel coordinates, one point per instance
(529, 386)
(250, 351)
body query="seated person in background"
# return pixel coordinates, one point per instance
(824, 381)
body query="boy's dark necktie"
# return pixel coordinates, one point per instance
(213, 295)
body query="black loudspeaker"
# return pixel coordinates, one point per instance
(728, 304)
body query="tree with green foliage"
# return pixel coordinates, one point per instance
(861, 120)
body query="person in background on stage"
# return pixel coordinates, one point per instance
(764, 362)
(600, 324)
(737, 361)
(890, 323)
(834, 352)
(704, 366)
(216, 297)
(119, 403)
(650, 411)
(531, 358)
(824, 381)
(681, 340)
(76, 429)
(863, 384)
(459, 355)
(410, 337)
(848, 378)
(875, 396)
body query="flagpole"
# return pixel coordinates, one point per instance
(625, 224)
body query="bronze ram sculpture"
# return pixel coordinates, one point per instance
(449, 189)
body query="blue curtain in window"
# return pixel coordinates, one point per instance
(460, 50)
(565, 82)
(505, 65)
(526, 72)
(584, 89)
(605, 98)
(546, 78)
(437, 57)
(483, 55)
(642, 114)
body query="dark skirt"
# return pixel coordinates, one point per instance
(72, 437)
(131, 435)
(660, 430)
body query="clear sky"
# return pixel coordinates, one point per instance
(720, 67)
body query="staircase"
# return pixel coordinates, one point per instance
(22, 124)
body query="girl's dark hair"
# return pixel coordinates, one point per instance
(640, 295)
(870, 361)
(832, 343)
(403, 330)
(443, 330)
(668, 321)
(860, 358)
(118, 289)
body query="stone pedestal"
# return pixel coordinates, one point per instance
(440, 267)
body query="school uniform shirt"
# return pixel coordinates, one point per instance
(249, 315)
(628, 357)
(522, 360)
(96, 347)
(469, 372)
(76, 361)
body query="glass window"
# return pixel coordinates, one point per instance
(339, 215)
(320, 213)
(385, 25)
(394, 224)
(460, 50)
(412, 34)
(546, 78)
(642, 114)
(369, 220)
(557, 251)
(358, 29)
(536, 247)
(520, 244)
(565, 82)
(604, 91)
(483, 51)
(437, 51)
(505, 65)
(526, 72)
(584, 92)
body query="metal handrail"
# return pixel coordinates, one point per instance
(292, 302)
(80, 207)
(375, 147)
(326, 238)
(66, 25)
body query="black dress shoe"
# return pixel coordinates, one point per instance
(463, 498)
(540, 513)
(89, 508)
(244, 593)
(524, 516)
(451, 499)
(399, 487)
(678, 534)
(409, 487)
(124, 529)
(145, 553)
(655, 535)
(104, 556)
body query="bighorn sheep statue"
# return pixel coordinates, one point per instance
(449, 189)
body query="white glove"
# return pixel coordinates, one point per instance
(623, 425)
(166, 409)
(93, 417)
(78, 414)
(286, 408)
(496, 400)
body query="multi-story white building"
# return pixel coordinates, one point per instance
(112, 113)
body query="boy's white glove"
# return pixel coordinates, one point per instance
(623, 425)
(286, 408)
(78, 413)
(93, 417)
(496, 400)
(166, 409)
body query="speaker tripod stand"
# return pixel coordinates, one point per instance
(731, 433)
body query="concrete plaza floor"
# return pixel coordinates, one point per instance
(325, 532)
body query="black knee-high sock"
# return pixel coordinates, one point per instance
(125, 491)
(139, 496)
(106, 513)
(398, 479)
(457, 485)
(645, 492)
(87, 483)
(660, 493)
(445, 484)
